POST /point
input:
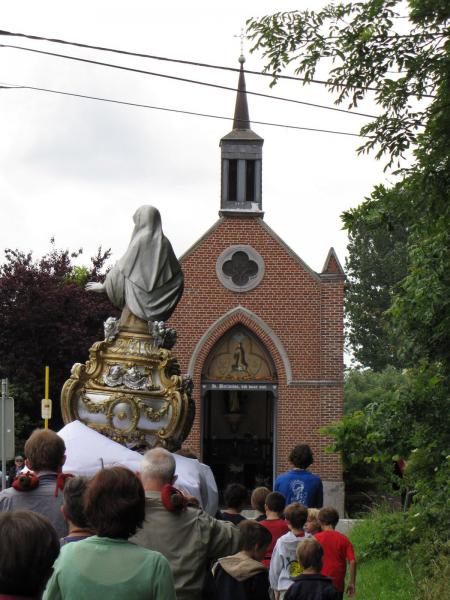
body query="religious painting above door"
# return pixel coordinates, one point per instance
(238, 355)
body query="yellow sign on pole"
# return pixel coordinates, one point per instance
(46, 404)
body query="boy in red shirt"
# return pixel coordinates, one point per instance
(337, 551)
(274, 521)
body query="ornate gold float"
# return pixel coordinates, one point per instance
(131, 389)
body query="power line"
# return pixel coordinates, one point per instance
(196, 64)
(199, 64)
(185, 80)
(166, 109)
(162, 58)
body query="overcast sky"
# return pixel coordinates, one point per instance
(77, 169)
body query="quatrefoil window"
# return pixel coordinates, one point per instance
(240, 268)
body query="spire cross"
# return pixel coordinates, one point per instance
(242, 36)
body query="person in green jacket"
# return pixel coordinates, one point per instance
(189, 538)
(107, 565)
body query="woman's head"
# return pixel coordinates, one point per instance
(29, 546)
(73, 505)
(114, 503)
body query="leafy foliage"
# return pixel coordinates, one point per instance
(46, 318)
(378, 231)
(369, 437)
(385, 533)
(398, 415)
(399, 557)
(365, 387)
(368, 47)
(399, 262)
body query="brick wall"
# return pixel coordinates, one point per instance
(301, 309)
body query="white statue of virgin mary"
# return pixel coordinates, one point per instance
(148, 278)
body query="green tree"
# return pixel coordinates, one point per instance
(46, 318)
(398, 415)
(368, 47)
(376, 263)
(371, 436)
(404, 59)
(365, 387)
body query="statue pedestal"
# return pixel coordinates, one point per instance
(131, 389)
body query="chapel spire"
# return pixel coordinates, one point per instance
(241, 161)
(241, 115)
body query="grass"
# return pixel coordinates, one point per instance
(394, 566)
(386, 578)
(437, 585)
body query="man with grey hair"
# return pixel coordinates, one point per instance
(189, 538)
(158, 467)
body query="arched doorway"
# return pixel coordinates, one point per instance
(239, 387)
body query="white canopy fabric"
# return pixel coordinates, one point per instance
(87, 451)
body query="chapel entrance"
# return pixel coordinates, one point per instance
(238, 400)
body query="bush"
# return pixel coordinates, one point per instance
(413, 541)
(385, 533)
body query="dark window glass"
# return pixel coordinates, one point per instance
(232, 180)
(250, 180)
(240, 268)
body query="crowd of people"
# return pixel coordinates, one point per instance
(123, 535)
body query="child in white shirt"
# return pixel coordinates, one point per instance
(284, 564)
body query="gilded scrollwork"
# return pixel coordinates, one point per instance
(94, 407)
(119, 346)
(151, 413)
(127, 385)
(137, 437)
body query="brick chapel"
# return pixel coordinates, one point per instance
(259, 332)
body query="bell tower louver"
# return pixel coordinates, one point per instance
(241, 152)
